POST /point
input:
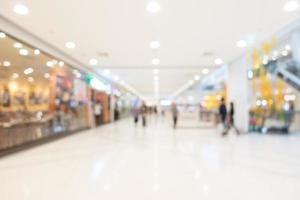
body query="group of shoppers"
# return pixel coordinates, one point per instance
(137, 111)
(227, 117)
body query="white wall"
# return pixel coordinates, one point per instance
(238, 91)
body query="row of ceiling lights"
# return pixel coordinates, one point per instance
(152, 7)
(24, 52)
(22, 9)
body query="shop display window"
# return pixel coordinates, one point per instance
(39, 95)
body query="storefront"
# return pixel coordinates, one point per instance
(40, 96)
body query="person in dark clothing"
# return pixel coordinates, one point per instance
(174, 114)
(231, 121)
(143, 111)
(223, 113)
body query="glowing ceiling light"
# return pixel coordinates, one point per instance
(218, 61)
(46, 75)
(49, 64)
(18, 45)
(153, 7)
(155, 44)
(21, 9)
(156, 78)
(241, 43)
(155, 61)
(61, 63)
(93, 61)
(28, 71)
(15, 75)
(37, 52)
(196, 77)
(205, 71)
(70, 45)
(24, 52)
(291, 6)
(6, 64)
(288, 47)
(2, 35)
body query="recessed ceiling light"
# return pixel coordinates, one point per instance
(61, 63)
(156, 71)
(2, 35)
(21, 9)
(291, 6)
(28, 71)
(46, 75)
(15, 75)
(37, 52)
(6, 64)
(23, 52)
(93, 61)
(241, 43)
(218, 61)
(155, 61)
(153, 7)
(196, 77)
(30, 79)
(18, 45)
(70, 45)
(156, 78)
(155, 44)
(205, 71)
(49, 64)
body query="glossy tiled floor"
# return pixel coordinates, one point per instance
(119, 161)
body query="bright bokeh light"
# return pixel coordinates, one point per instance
(70, 45)
(291, 6)
(241, 43)
(153, 7)
(218, 61)
(93, 61)
(21, 9)
(24, 52)
(155, 61)
(2, 35)
(155, 44)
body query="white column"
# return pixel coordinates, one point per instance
(238, 91)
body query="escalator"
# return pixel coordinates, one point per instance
(286, 69)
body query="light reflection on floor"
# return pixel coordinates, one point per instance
(119, 161)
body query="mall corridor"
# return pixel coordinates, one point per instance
(120, 161)
(150, 100)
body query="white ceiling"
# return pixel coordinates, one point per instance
(124, 29)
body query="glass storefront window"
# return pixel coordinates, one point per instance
(39, 95)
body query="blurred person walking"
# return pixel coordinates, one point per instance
(143, 111)
(135, 113)
(174, 110)
(97, 112)
(223, 114)
(230, 123)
